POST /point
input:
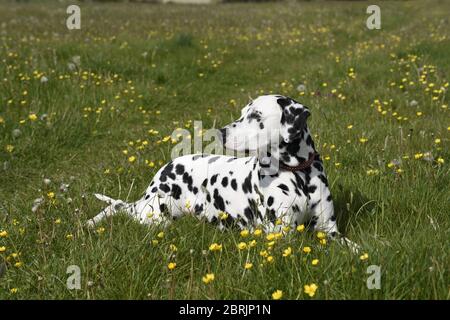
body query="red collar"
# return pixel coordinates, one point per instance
(302, 166)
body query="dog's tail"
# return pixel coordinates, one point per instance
(113, 207)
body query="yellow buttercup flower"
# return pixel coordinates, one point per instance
(257, 232)
(277, 295)
(3, 234)
(215, 247)
(160, 235)
(363, 257)
(173, 248)
(287, 252)
(301, 228)
(269, 259)
(32, 117)
(244, 233)
(208, 278)
(307, 249)
(315, 262)
(2, 249)
(321, 235)
(242, 245)
(132, 159)
(248, 266)
(171, 265)
(310, 289)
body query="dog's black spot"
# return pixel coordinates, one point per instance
(234, 184)
(312, 188)
(219, 204)
(323, 179)
(176, 191)
(248, 212)
(329, 198)
(164, 187)
(195, 190)
(208, 197)
(270, 201)
(224, 182)
(214, 179)
(167, 173)
(147, 196)
(318, 166)
(198, 208)
(179, 169)
(163, 208)
(333, 218)
(261, 125)
(205, 182)
(283, 187)
(247, 185)
(284, 102)
(187, 179)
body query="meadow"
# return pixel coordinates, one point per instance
(93, 110)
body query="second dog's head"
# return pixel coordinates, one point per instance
(265, 120)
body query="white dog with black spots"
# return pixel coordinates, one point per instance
(285, 186)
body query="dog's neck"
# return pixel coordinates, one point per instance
(290, 154)
(298, 151)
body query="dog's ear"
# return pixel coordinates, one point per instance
(293, 120)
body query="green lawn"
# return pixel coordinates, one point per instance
(121, 85)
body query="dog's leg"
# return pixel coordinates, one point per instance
(324, 219)
(113, 208)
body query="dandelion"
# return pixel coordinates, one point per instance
(242, 246)
(287, 252)
(307, 249)
(364, 256)
(310, 289)
(171, 265)
(244, 233)
(301, 228)
(277, 295)
(315, 262)
(215, 247)
(208, 278)
(248, 266)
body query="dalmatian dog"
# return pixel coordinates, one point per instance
(278, 187)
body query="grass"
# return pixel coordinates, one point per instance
(379, 112)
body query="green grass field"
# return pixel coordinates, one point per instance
(119, 87)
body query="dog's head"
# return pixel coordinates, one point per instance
(265, 120)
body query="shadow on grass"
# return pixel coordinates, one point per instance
(350, 205)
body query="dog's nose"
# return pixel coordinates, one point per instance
(223, 135)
